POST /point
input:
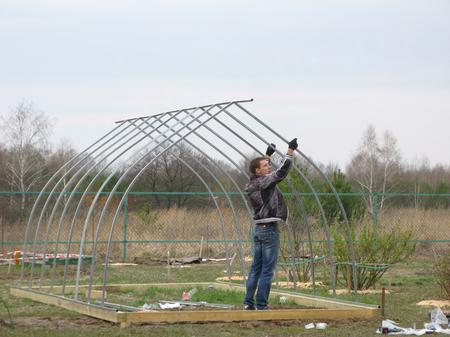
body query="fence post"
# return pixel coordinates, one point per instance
(375, 215)
(125, 227)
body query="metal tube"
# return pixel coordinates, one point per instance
(105, 274)
(98, 227)
(344, 214)
(96, 197)
(292, 187)
(198, 107)
(66, 187)
(72, 194)
(239, 233)
(102, 216)
(77, 159)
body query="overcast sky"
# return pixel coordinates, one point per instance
(319, 70)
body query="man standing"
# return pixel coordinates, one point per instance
(270, 208)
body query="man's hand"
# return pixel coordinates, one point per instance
(293, 144)
(270, 149)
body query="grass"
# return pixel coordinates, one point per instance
(410, 283)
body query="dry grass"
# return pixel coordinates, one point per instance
(426, 224)
(180, 230)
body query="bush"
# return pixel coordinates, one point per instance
(373, 254)
(441, 272)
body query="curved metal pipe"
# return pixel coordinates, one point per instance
(105, 269)
(105, 207)
(95, 199)
(77, 159)
(344, 214)
(322, 212)
(92, 167)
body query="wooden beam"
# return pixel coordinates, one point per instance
(66, 303)
(312, 301)
(328, 309)
(243, 315)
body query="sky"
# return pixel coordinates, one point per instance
(319, 70)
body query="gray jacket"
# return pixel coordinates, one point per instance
(265, 196)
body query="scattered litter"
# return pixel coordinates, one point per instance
(121, 264)
(320, 326)
(170, 305)
(201, 304)
(310, 326)
(187, 295)
(151, 306)
(211, 286)
(283, 299)
(437, 316)
(391, 328)
(184, 260)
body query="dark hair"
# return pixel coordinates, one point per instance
(256, 163)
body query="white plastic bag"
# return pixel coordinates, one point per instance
(437, 316)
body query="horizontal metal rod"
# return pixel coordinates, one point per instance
(197, 107)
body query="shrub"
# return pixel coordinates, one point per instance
(373, 253)
(441, 272)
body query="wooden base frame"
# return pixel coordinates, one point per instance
(327, 309)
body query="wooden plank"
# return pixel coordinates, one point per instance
(318, 302)
(335, 310)
(245, 315)
(69, 289)
(59, 301)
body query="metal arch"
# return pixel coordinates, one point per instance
(206, 186)
(93, 164)
(93, 265)
(352, 252)
(105, 207)
(246, 158)
(220, 184)
(296, 194)
(227, 174)
(69, 183)
(74, 162)
(85, 156)
(196, 119)
(97, 196)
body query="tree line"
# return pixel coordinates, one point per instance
(28, 159)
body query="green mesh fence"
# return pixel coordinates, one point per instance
(181, 224)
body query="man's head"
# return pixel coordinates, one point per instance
(260, 166)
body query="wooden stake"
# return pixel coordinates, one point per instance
(201, 248)
(383, 301)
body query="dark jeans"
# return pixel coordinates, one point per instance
(267, 243)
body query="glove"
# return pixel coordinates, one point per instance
(293, 144)
(270, 149)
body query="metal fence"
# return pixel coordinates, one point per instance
(157, 224)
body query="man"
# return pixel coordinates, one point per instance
(270, 208)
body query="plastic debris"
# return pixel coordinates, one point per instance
(151, 306)
(391, 328)
(438, 316)
(310, 326)
(320, 326)
(171, 305)
(187, 295)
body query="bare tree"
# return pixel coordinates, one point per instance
(374, 167)
(390, 163)
(26, 132)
